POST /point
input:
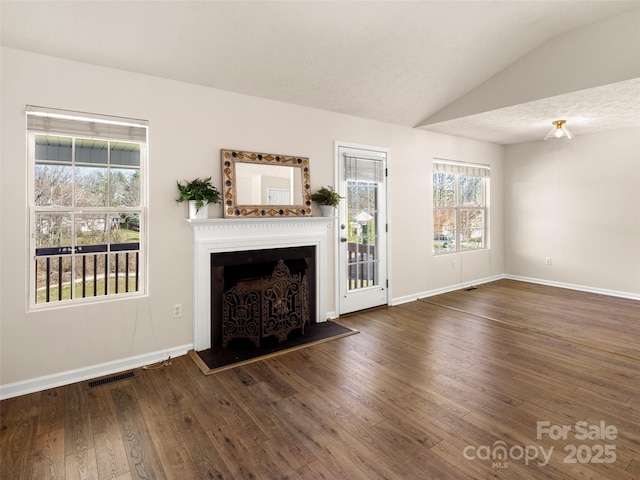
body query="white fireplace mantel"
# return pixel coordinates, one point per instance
(240, 234)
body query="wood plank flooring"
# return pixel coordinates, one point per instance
(427, 390)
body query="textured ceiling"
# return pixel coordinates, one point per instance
(393, 61)
(596, 109)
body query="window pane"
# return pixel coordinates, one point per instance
(126, 154)
(471, 229)
(91, 229)
(53, 230)
(53, 185)
(50, 148)
(125, 228)
(91, 187)
(471, 191)
(91, 151)
(53, 261)
(123, 272)
(53, 278)
(444, 230)
(90, 275)
(125, 187)
(444, 188)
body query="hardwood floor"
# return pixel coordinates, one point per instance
(426, 391)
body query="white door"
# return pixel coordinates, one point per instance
(278, 196)
(362, 228)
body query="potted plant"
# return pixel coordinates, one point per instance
(199, 193)
(328, 199)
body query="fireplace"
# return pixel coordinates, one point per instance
(257, 294)
(300, 241)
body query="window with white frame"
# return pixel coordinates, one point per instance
(87, 207)
(460, 212)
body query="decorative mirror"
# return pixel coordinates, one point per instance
(265, 185)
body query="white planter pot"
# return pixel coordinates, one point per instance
(327, 210)
(200, 214)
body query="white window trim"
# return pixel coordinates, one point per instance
(104, 128)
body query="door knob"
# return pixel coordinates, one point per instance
(343, 239)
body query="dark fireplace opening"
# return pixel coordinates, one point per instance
(239, 277)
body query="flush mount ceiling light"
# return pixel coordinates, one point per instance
(559, 131)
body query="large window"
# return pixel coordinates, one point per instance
(459, 206)
(87, 206)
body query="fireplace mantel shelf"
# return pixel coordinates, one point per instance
(235, 223)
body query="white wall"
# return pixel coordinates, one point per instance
(577, 202)
(188, 126)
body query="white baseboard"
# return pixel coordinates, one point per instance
(572, 286)
(448, 288)
(78, 375)
(550, 283)
(406, 299)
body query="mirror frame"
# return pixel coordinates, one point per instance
(229, 159)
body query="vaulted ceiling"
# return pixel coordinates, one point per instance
(405, 63)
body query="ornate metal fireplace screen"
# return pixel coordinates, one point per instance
(278, 307)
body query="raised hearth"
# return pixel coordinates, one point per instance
(215, 236)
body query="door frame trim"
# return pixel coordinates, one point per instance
(336, 231)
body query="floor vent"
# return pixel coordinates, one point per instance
(114, 378)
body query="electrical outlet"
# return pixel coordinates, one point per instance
(453, 264)
(547, 260)
(177, 310)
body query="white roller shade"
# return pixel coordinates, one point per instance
(81, 124)
(459, 168)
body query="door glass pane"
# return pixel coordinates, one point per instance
(362, 197)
